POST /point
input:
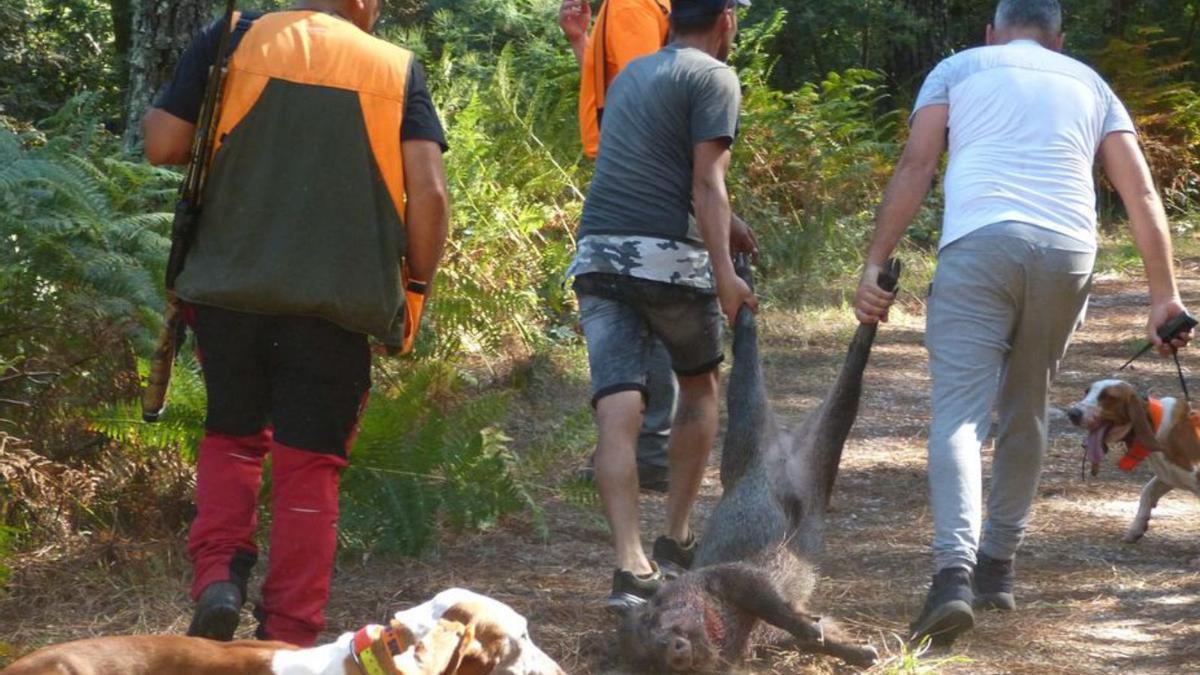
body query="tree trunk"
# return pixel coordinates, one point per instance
(914, 54)
(161, 30)
(1118, 17)
(122, 23)
(1191, 34)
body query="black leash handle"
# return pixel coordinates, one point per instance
(1177, 324)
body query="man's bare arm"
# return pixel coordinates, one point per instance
(428, 212)
(1127, 170)
(168, 139)
(905, 193)
(711, 201)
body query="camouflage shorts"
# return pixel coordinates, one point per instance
(622, 315)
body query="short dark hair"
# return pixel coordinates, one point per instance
(690, 25)
(1045, 15)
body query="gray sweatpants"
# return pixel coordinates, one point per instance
(1004, 303)
(662, 390)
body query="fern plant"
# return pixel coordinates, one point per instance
(181, 425)
(84, 235)
(1165, 107)
(416, 465)
(809, 164)
(515, 174)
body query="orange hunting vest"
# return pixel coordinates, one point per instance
(303, 211)
(1135, 450)
(624, 30)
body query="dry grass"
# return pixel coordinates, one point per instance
(1089, 604)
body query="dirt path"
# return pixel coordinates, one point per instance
(1089, 604)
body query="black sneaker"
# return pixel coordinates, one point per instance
(651, 478)
(630, 590)
(947, 612)
(217, 612)
(994, 584)
(672, 557)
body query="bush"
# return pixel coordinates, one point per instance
(418, 464)
(810, 165)
(80, 269)
(1165, 108)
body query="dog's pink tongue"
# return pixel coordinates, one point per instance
(1094, 447)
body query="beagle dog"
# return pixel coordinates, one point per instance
(1163, 432)
(456, 633)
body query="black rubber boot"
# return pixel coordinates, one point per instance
(672, 557)
(217, 612)
(994, 584)
(947, 611)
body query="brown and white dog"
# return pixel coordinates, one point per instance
(1163, 432)
(456, 633)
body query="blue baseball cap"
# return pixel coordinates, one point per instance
(691, 9)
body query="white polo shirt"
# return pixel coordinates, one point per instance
(1025, 124)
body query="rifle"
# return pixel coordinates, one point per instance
(183, 227)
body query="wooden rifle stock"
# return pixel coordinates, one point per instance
(183, 227)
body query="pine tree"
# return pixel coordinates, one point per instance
(161, 30)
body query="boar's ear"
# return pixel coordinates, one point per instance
(1135, 409)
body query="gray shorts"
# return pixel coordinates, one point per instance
(621, 315)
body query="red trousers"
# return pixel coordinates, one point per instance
(291, 389)
(303, 538)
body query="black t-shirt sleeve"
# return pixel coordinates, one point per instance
(184, 94)
(420, 117)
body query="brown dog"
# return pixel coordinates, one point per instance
(456, 633)
(1163, 432)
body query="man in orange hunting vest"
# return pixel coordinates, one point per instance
(325, 188)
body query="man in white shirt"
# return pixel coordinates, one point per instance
(1024, 124)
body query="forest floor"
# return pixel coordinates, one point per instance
(1087, 602)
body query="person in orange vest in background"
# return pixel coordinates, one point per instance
(625, 30)
(325, 216)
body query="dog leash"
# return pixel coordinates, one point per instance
(1178, 323)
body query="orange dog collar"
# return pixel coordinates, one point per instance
(364, 649)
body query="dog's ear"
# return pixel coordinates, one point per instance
(467, 645)
(1139, 419)
(1115, 404)
(403, 633)
(474, 657)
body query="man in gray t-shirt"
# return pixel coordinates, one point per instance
(658, 109)
(644, 267)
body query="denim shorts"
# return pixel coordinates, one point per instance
(622, 315)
